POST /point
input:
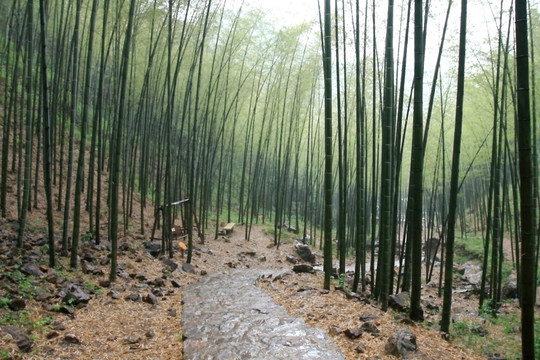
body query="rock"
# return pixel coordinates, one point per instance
(369, 327)
(334, 330)
(204, 272)
(74, 295)
(188, 268)
(113, 294)
(134, 296)
(175, 283)
(23, 341)
(105, 283)
(400, 302)
(472, 274)
(152, 248)
(72, 339)
(303, 268)
(368, 317)
(150, 299)
(17, 304)
(401, 343)
(32, 269)
(509, 290)
(171, 264)
(150, 334)
(52, 335)
(353, 333)
(305, 252)
(479, 330)
(361, 349)
(89, 268)
(133, 339)
(171, 312)
(58, 326)
(292, 259)
(262, 258)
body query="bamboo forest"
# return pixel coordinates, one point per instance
(250, 179)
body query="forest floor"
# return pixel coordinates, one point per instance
(122, 320)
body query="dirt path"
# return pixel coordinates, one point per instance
(225, 316)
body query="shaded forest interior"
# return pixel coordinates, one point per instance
(378, 131)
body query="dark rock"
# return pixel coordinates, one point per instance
(152, 248)
(141, 277)
(72, 339)
(134, 297)
(400, 302)
(74, 295)
(204, 272)
(89, 268)
(334, 330)
(17, 304)
(32, 269)
(262, 258)
(188, 268)
(353, 333)
(113, 294)
(361, 349)
(369, 327)
(68, 310)
(52, 335)
(105, 261)
(58, 326)
(150, 299)
(305, 252)
(170, 264)
(401, 343)
(105, 283)
(150, 334)
(303, 268)
(171, 312)
(368, 317)
(509, 290)
(292, 259)
(23, 341)
(479, 330)
(175, 283)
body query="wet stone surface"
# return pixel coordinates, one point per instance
(225, 316)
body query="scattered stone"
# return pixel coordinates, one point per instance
(74, 295)
(188, 268)
(472, 274)
(133, 339)
(89, 268)
(353, 333)
(303, 268)
(204, 272)
(58, 326)
(368, 317)
(150, 334)
(369, 327)
(171, 312)
(292, 259)
(113, 294)
(305, 252)
(262, 258)
(52, 335)
(153, 249)
(150, 299)
(105, 283)
(305, 288)
(32, 269)
(334, 330)
(175, 283)
(509, 290)
(400, 302)
(22, 340)
(72, 339)
(361, 349)
(479, 330)
(134, 296)
(401, 343)
(17, 304)
(171, 264)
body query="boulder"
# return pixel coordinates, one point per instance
(510, 288)
(400, 302)
(401, 343)
(305, 252)
(303, 268)
(23, 341)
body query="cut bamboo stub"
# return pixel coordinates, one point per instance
(182, 247)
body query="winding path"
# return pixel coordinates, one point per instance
(225, 316)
